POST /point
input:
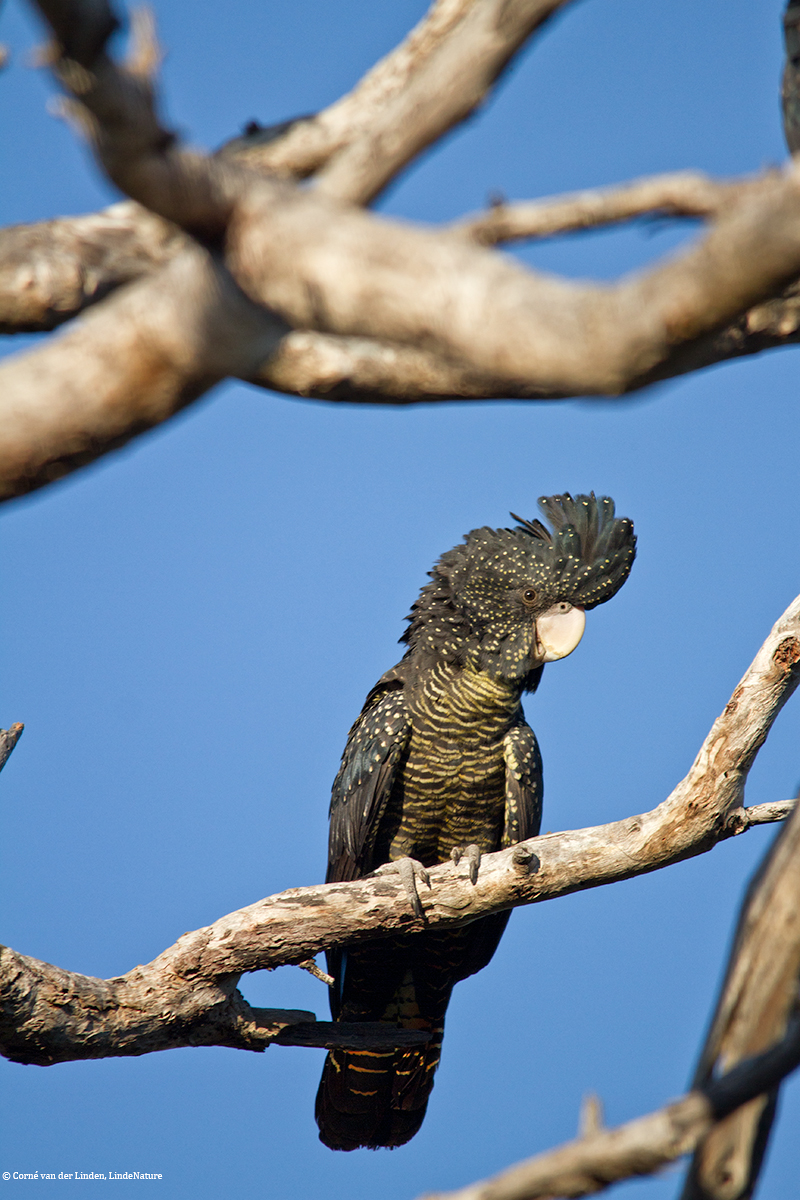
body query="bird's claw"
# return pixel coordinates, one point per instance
(473, 854)
(409, 870)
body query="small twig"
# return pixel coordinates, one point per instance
(8, 740)
(760, 814)
(681, 194)
(590, 1120)
(312, 968)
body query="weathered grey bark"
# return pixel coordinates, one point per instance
(359, 321)
(447, 87)
(753, 1045)
(760, 995)
(309, 262)
(81, 1017)
(644, 1146)
(125, 366)
(52, 270)
(188, 992)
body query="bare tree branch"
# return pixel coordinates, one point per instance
(51, 270)
(681, 194)
(114, 104)
(378, 311)
(95, 1018)
(597, 339)
(288, 250)
(449, 85)
(8, 740)
(348, 273)
(188, 992)
(641, 1147)
(758, 998)
(311, 142)
(125, 366)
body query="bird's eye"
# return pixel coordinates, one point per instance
(529, 595)
(564, 607)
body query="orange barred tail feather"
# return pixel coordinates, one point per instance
(375, 1099)
(370, 1098)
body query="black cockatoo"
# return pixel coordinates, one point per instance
(441, 763)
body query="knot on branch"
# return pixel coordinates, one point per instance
(787, 655)
(524, 860)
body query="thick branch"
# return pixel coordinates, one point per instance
(345, 273)
(52, 270)
(125, 366)
(198, 974)
(432, 81)
(115, 106)
(349, 273)
(310, 143)
(83, 1017)
(388, 311)
(61, 409)
(758, 999)
(450, 84)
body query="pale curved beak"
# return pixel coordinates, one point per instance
(558, 633)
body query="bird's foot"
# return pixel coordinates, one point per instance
(409, 870)
(473, 856)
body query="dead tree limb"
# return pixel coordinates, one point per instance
(125, 366)
(313, 140)
(310, 263)
(52, 270)
(342, 271)
(644, 1146)
(758, 1000)
(189, 991)
(681, 194)
(449, 85)
(753, 1045)
(363, 309)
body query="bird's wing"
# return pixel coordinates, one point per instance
(524, 784)
(364, 783)
(523, 817)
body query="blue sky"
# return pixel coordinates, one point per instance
(191, 625)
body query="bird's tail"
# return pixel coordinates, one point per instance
(373, 1099)
(378, 1098)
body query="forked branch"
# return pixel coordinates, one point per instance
(354, 307)
(724, 1113)
(187, 996)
